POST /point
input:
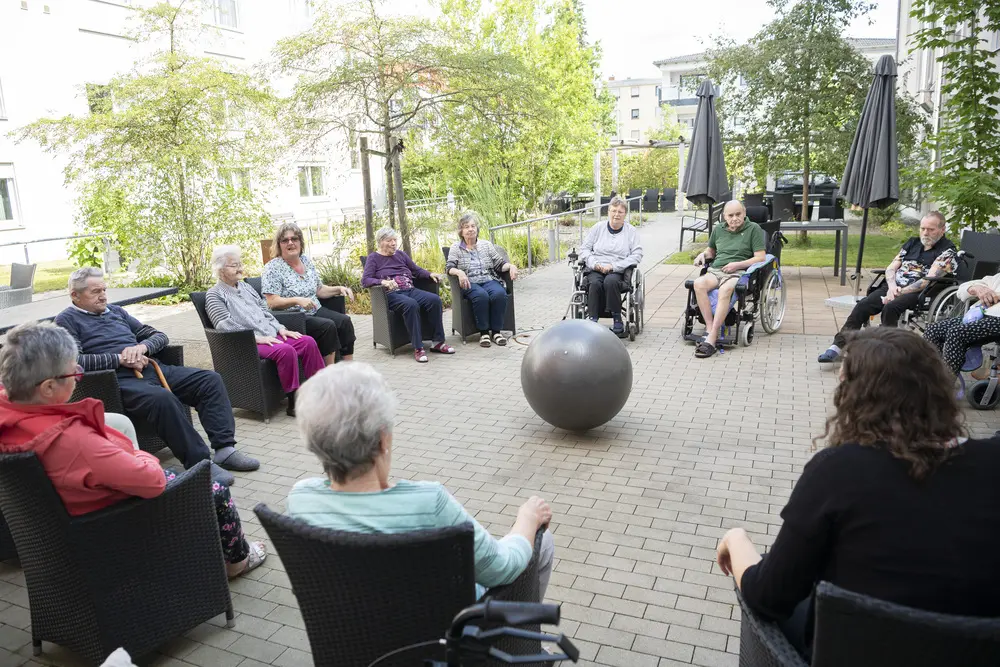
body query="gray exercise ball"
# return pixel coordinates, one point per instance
(576, 375)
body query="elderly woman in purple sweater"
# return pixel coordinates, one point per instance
(394, 270)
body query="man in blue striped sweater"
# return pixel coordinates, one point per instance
(108, 338)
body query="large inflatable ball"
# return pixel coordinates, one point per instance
(576, 375)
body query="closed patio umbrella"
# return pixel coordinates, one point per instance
(871, 178)
(705, 178)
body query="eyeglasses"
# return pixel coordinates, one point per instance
(290, 239)
(77, 375)
(238, 265)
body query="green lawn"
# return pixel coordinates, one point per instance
(879, 250)
(48, 276)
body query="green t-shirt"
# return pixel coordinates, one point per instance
(735, 246)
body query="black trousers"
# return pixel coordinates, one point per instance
(872, 305)
(333, 331)
(147, 400)
(605, 289)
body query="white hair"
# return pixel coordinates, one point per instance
(617, 201)
(343, 412)
(78, 279)
(385, 234)
(220, 254)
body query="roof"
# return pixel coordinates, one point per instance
(874, 43)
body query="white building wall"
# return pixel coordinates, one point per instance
(51, 49)
(635, 96)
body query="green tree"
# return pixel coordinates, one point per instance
(965, 178)
(360, 70)
(796, 90)
(161, 161)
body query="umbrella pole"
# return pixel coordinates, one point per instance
(710, 219)
(861, 252)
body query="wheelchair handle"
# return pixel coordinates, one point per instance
(508, 613)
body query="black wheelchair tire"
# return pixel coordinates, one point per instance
(746, 335)
(976, 393)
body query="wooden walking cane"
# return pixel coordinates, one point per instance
(159, 374)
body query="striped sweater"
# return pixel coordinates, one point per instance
(239, 308)
(100, 338)
(404, 507)
(491, 260)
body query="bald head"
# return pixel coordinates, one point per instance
(734, 214)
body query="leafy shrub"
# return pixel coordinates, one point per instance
(88, 251)
(515, 242)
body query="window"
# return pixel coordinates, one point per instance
(8, 196)
(3, 109)
(635, 114)
(635, 91)
(98, 98)
(221, 13)
(311, 182)
(635, 135)
(659, 93)
(689, 82)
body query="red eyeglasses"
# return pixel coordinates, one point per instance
(77, 375)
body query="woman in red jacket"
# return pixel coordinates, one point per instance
(90, 464)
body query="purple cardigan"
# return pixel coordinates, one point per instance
(380, 267)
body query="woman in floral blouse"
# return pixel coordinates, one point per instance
(290, 282)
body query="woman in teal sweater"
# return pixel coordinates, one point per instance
(345, 415)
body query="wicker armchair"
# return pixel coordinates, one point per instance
(103, 385)
(135, 575)
(252, 383)
(462, 320)
(860, 631)
(388, 327)
(21, 288)
(385, 591)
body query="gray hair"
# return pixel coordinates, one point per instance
(617, 200)
(33, 353)
(221, 253)
(343, 412)
(469, 216)
(383, 234)
(936, 215)
(78, 279)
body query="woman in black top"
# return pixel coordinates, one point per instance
(899, 505)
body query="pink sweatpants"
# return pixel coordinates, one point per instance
(286, 355)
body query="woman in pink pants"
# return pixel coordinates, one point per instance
(232, 305)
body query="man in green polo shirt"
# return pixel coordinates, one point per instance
(732, 249)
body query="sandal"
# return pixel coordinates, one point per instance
(258, 553)
(442, 348)
(420, 355)
(499, 339)
(484, 340)
(704, 350)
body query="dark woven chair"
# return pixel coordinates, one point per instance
(103, 385)
(860, 631)
(388, 327)
(252, 383)
(783, 207)
(134, 575)
(461, 308)
(650, 200)
(635, 204)
(21, 288)
(383, 592)
(668, 199)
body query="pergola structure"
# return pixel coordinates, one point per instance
(680, 145)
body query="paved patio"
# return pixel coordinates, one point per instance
(639, 504)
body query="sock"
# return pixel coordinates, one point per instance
(223, 453)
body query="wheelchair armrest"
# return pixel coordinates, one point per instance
(878, 272)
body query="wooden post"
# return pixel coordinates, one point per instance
(366, 180)
(397, 179)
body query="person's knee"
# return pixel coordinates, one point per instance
(433, 302)
(705, 283)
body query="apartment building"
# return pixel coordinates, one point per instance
(52, 50)
(637, 108)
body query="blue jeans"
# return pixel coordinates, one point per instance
(489, 304)
(409, 302)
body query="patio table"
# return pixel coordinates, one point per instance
(840, 244)
(47, 309)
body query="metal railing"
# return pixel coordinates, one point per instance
(25, 244)
(558, 216)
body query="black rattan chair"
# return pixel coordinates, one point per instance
(385, 591)
(103, 385)
(388, 327)
(650, 200)
(461, 309)
(134, 575)
(753, 199)
(252, 383)
(635, 204)
(668, 200)
(860, 631)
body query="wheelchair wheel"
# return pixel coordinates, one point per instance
(773, 298)
(977, 396)
(945, 305)
(746, 335)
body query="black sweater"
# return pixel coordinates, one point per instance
(858, 520)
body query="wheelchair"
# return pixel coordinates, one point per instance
(759, 294)
(633, 298)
